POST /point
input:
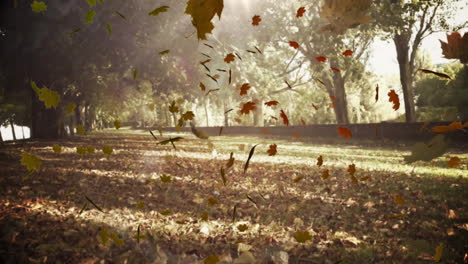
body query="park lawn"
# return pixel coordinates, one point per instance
(191, 217)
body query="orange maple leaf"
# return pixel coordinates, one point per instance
(321, 59)
(284, 117)
(335, 69)
(256, 20)
(294, 44)
(452, 126)
(272, 150)
(320, 161)
(345, 132)
(300, 12)
(271, 103)
(348, 53)
(244, 88)
(453, 162)
(456, 47)
(247, 107)
(229, 58)
(393, 98)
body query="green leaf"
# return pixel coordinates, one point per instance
(38, 7)
(109, 28)
(90, 16)
(107, 150)
(70, 108)
(31, 162)
(427, 152)
(103, 234)
(158, 10)
(91, 3)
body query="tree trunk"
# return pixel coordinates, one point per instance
(341, 103)
(12, 125)
(402, 49)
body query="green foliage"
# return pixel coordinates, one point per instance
(38, 7)
(90, 16)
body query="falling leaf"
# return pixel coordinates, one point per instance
(303, 122)
(246, 166)
(120, 14)
(348, 53)
(165, 212)
(399, 200)
(116, 239)
(298, 178)
(345, 14)
(117, 124)
(173, 108)
(335, 69)
(151, 107)
(189, 115)
(211, 259)
(229, 58)
(165, 178)
(73, 32)
(377, 93)
(300, 12)
(453, 162)
(284, 117)
(90, 149)
(170, 140)
(242, 227)
(90, 16)
(315, 107)
(50, 98)
(354, 179)
(230, 161)
(442, 75)
(294, 44)
(70, 108)
(302, 236)
(140, 205)
(91, 3)
(109, 28)
(223, 176)
(244, 88)
(320, 161)
(247, 107)
(272, 150)
(321, 59)
(212, 201)
(230, 76)
(393, 98)
(202, 87)
(103, 234)
(38, 7)
(202, 11)
(325, 174)
(271, 103)
(345, 132)
(107, 150)
(451, 127)
(135, 74)
(424, 126)
(93, 203)
(274, 117)
(80, 129)
(456, 47)
(164, 52)
(352, 169)
(256, 20)
(31, 162)
(427, 152)
(56, 148)
(438, 253)
(81, 150)
(158, 10)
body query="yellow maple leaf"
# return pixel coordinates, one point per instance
(212, 201)
(242, 227)
(140, 205)
(302, 236)
(80, 130)
(107, 150)
(165, 178)
(438, 254)
(50, 98)
(31, 162)
(56, 148)
(70, 108)
(117, 124)
(103, 234)
(202, 11)
(81, 150)
(91, 149)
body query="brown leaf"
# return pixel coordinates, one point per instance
(271, 103)
(453, 162)
(345, 132)
(442, 75)
(284, 117)
(319, 161)
(393, 98)
(256, 20)
(229, 58)
(247, 107)
(300, 12)
(272, 150)
(244, 88)
(294, 44)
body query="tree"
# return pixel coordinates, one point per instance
(407, 24)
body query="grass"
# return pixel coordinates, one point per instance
(348, 222)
